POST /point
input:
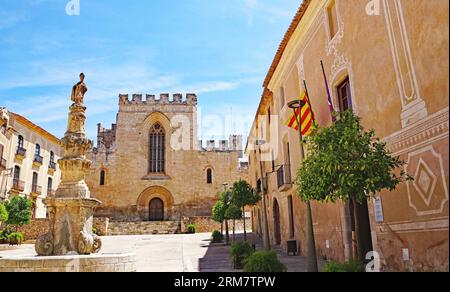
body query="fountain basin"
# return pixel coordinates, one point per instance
(112, 262)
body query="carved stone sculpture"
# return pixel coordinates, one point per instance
(71, 210)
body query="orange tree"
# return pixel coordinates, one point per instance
(346, 162)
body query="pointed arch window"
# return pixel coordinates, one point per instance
(157, 149)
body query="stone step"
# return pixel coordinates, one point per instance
(143, 228)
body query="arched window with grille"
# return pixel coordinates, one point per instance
(157, 149)
(209, 176)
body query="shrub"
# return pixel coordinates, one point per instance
(264, 262)
(4, 235)
(240, 250)
(217, 237)
(19, 211)
(191, 228)
(15, 238)
(353, 266)
(3, 214)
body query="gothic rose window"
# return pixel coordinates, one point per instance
(157, 149)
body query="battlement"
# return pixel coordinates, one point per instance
(163, 98)
(234, 144)
(106, 137)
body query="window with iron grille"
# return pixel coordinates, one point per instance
(157, 149)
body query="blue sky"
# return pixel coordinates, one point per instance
(220, 50)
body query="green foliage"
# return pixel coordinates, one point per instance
(19, 211)
(244, 195)
(345, 161)
(15, 238)
(264, 262)
(240, 250)
(233, 212)
(3, 214)
(225, 198)
(217, 237)
(191, 228)
(4, 235)
(350, 266)
(218, 212)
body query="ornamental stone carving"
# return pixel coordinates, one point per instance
(71, 210)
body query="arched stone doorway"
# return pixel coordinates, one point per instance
(156, 210)
(276, 222)
(155, 204)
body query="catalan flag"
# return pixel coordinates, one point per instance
(306, 120)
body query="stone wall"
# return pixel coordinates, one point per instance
(122, 153)
(36, 228)
(206, 224)
(143, 228)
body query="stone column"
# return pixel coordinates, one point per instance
(71, 210)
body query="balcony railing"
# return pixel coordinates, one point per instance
(284, 178)
(2, 163)
(38, 159)
(21, 151)
(36, 190)
(18, 185)
(52, 165)
(51, 193)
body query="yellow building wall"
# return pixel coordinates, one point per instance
(397, 63)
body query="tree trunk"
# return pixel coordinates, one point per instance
(245, 231)
(311, 242)
(221, 228)
(227, 233)
(234, 233)
(347, 231)
(362, 226)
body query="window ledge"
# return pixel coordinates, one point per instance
(156, 176)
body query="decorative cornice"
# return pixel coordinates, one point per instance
(433, 127)
(35, 128)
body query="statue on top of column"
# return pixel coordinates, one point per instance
(79, 90)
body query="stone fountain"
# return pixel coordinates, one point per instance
(69, 244)
(71, 210)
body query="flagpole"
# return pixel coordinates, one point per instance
(330, 101)
(309, 101)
